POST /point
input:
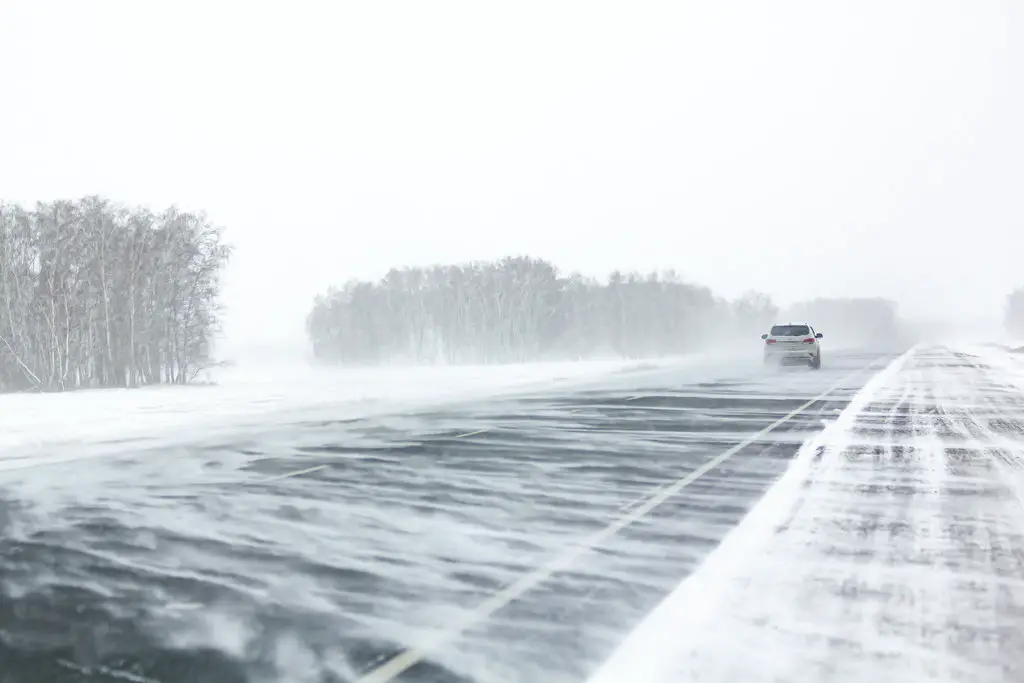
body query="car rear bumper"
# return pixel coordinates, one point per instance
(794, 356)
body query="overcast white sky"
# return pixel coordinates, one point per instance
(799, 148)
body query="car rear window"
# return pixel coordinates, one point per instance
(790, 330)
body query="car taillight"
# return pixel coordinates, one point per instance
(809, 340)
(769, 341)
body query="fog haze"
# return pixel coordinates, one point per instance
(804, 149)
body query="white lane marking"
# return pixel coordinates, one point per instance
(288, 475)
(410, 657)
(479, 431)
(628, 398)
(647, 494)
(639, 499)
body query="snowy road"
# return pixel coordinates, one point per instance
(893, 550)
(320, 550)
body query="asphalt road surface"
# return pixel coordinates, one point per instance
(515, 539)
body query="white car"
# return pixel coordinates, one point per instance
(792, 344)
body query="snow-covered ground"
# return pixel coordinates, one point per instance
(248, 393)
(891, 550)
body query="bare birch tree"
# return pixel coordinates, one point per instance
(99, 295)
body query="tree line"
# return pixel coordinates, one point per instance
(96, 294)
(522, 308)
(870, 322)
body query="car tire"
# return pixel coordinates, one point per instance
(816, 363)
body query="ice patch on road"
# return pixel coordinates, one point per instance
(878, 562)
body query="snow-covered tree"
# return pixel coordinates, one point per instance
(516, 309)
(95, 294)
(871, 322)
(755, 313)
